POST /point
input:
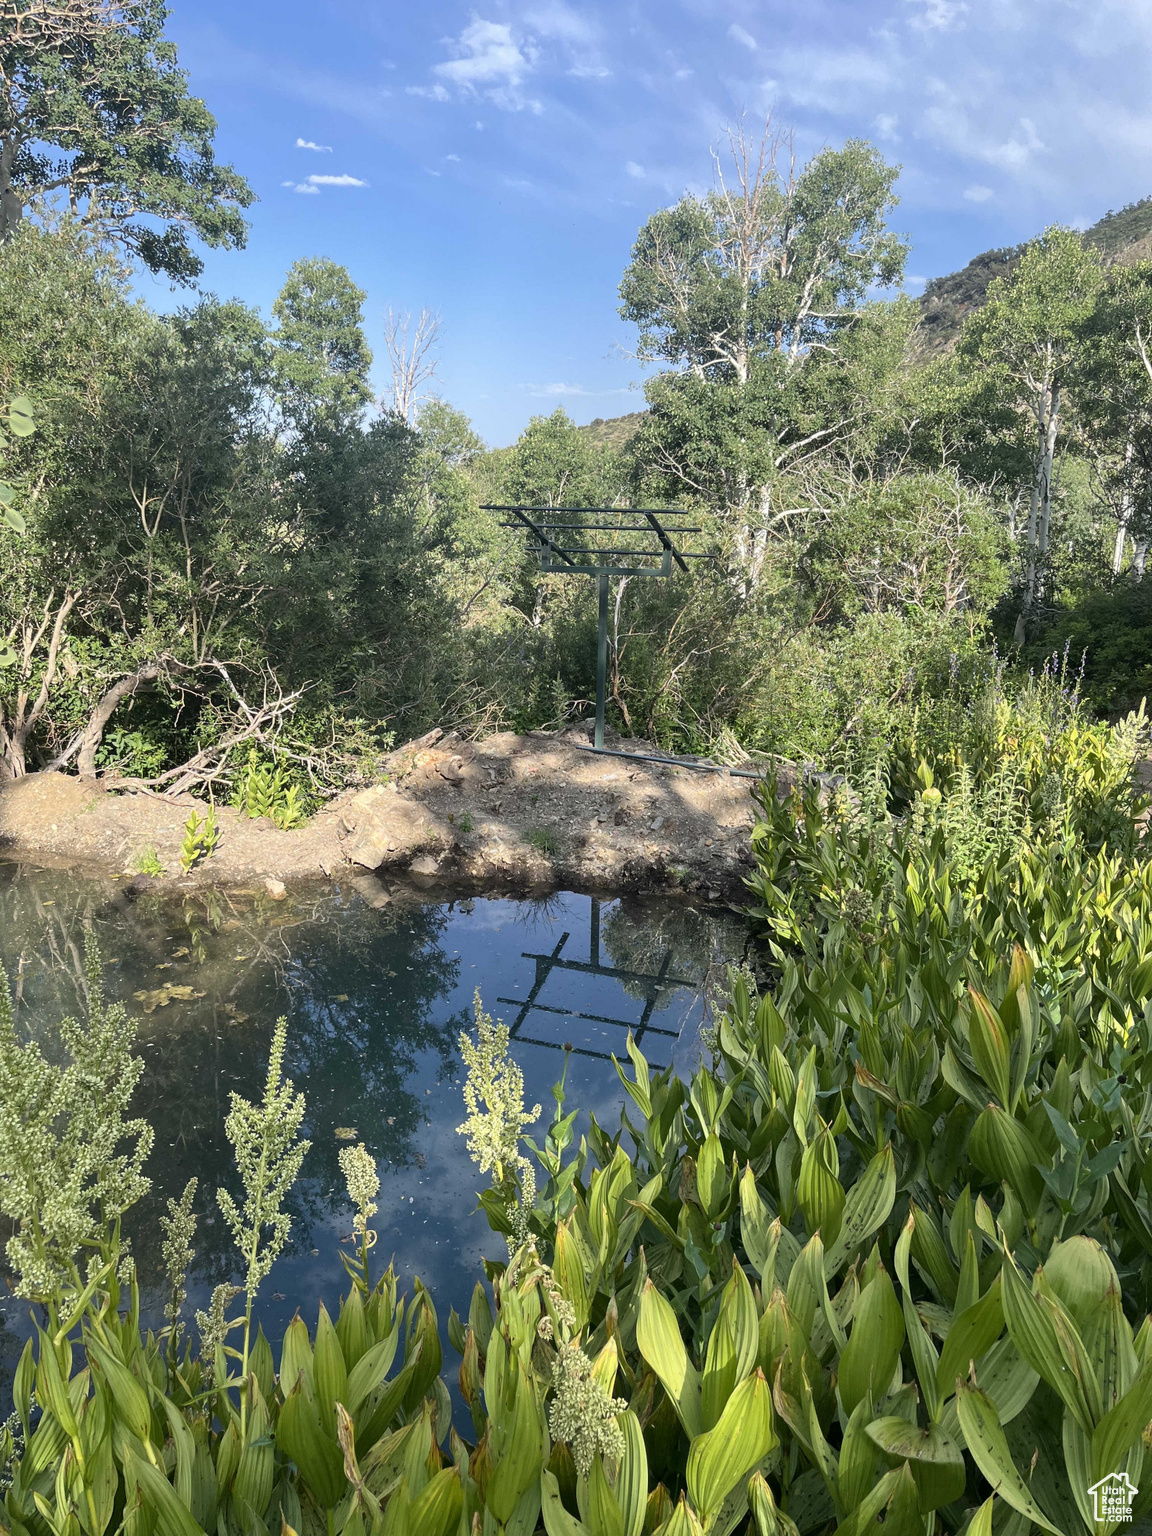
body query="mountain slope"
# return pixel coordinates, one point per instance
(1122, 238)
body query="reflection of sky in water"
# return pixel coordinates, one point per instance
(375, 1001)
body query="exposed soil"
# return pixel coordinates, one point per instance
(508, 813)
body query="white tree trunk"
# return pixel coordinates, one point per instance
(1047, 409)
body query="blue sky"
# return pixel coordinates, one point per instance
(494, 162)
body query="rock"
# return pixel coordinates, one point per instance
(275, 888)
(425, 866)
(373, 891)
(371, 846)
(451, 769)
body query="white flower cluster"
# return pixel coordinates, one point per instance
(494, 1098)
(582, 1414)
(70, 1158)
(268, 1156)
(359, 1169)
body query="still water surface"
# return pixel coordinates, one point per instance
(375, 1000)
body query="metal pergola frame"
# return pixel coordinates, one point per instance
(654, 984)
(565, 557)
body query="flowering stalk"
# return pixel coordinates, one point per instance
(494, 1098)
(179, 1229)
(71, 1161)
(359, 1169)
(268, 1155)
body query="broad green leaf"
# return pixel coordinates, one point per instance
(971, 1335)
(369, 1372)
(632, 1478)
(1032, 1326)
(985, 1439)
(659, 1341)
(724, 1456)
(756, 1230)
(172, 1518)
(990, 1049)
(20, 422)
(869, 1360)
(557, 1520)
(866, 1208)
(316, 1454)
(1121, 1428)
(937, 1462)
(436, 1511)
(601, 1511)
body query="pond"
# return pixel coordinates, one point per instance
(376, 999)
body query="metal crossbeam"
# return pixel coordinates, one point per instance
(558, 556)
(654, 983)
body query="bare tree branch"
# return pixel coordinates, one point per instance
(411, 358)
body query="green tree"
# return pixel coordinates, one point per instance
(95, 115)
(322, 356)
(773, 264)
(1028, 338)
(756, 295)
(1114, 396)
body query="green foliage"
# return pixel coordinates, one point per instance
(888, 1251)
(543, 839)
(147, 863)
(322, 358)
(97, 110)
(20, 423)
(267, 789)
(201, 835)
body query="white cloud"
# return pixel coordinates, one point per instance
(337, 181)
(491, 63)
(452, 157)
(1015, 152)
(551, 390)
(321, 149)
(590, 72)
(738, 35)
(886, 125)
(301, 186)
(936, 15)
(978, 194)
(633, 169)
(555, 19)
(683, 74)
(433, 92)
(834, 82)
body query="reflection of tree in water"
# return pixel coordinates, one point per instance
(359, 987)
(637, 936)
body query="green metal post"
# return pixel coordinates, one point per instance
(602, 662)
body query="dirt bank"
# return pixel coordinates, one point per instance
(509, 813)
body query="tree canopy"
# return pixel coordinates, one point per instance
(96, 119)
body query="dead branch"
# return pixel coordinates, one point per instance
(412, 361)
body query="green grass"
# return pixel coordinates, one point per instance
(542, 838)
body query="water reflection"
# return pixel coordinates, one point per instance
(376, 999)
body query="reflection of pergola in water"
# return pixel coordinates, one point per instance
(654, 983)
